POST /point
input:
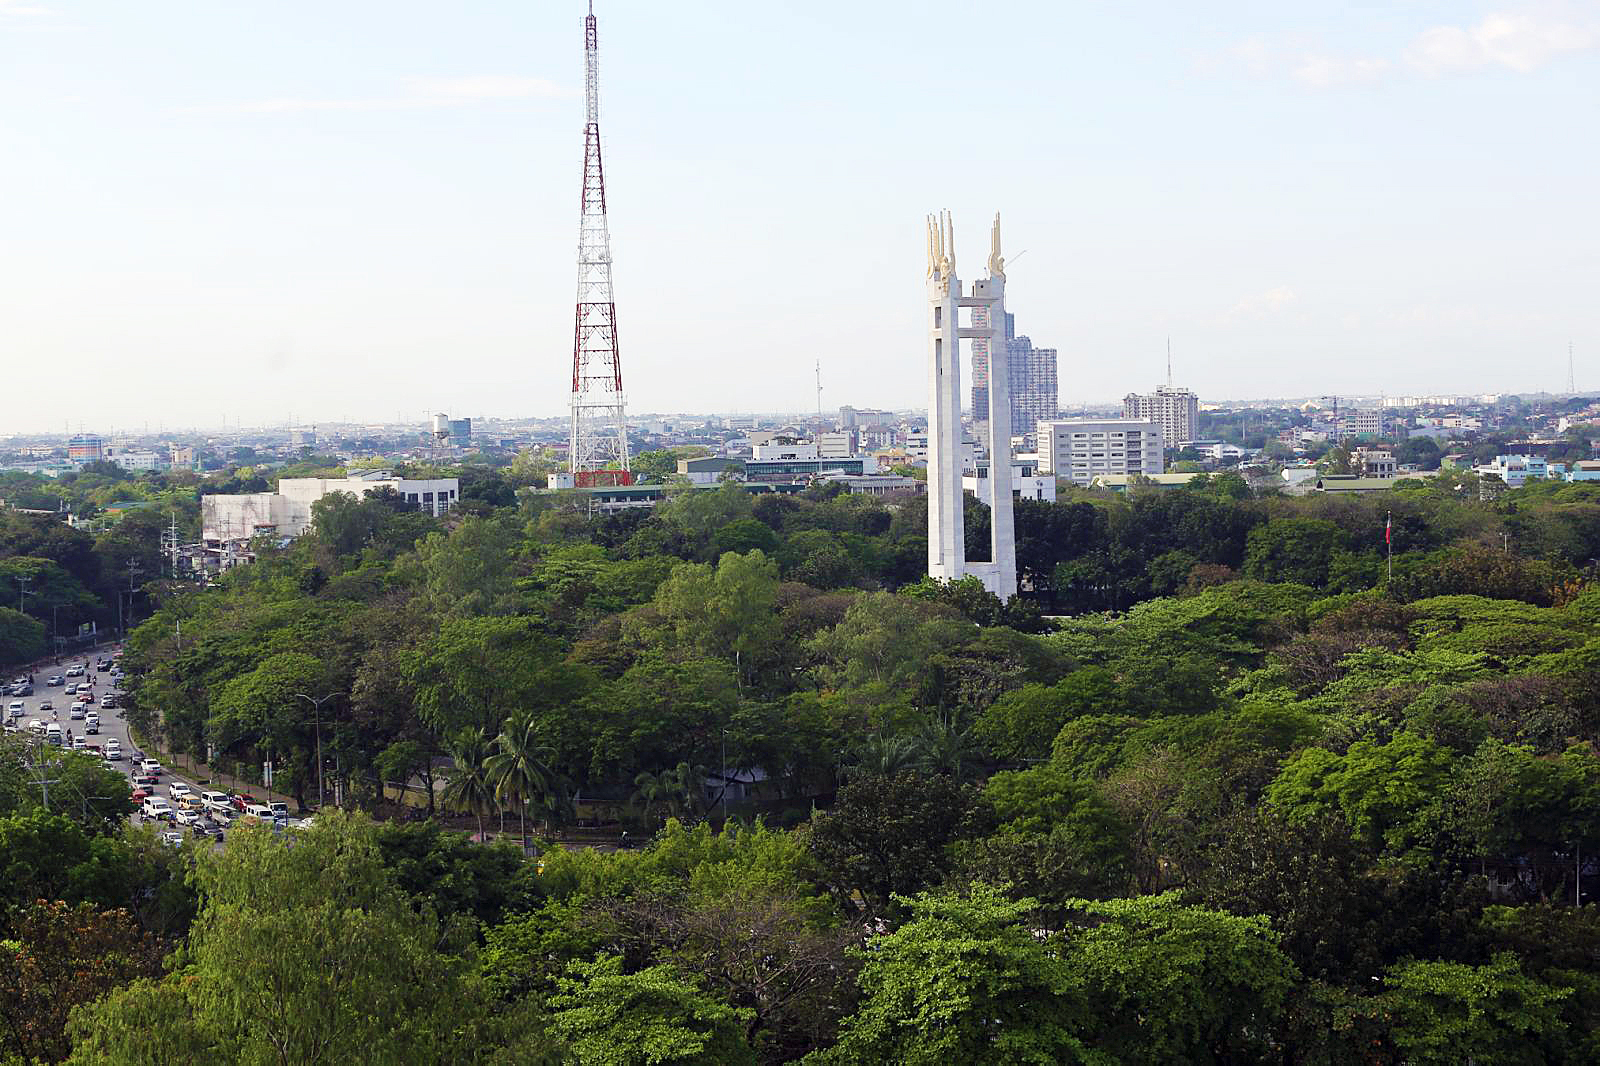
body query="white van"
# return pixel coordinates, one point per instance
(257, 814)
(52, 733)
(156, 807)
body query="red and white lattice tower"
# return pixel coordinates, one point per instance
(599, 428)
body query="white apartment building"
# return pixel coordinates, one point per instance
(1176, 411)
(287, 512)
(1083, 449)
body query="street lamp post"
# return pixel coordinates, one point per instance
(316, 707)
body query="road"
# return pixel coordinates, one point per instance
(112, 723)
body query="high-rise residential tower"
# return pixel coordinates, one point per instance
(1031, 372)
(1176, 411)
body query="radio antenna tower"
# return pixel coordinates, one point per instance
(1572, 386)
(599, 438)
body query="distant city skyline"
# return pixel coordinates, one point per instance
(261, 210)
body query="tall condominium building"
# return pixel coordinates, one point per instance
(86, 448)
(1083, 449)
(1032, 377)
(1176, 411)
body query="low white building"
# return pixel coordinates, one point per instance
(785, 448)
(876, 484)
(1027, 483)
(137, 460)
(1082, 449)
(287, 512)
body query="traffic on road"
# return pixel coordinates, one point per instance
(77, 705)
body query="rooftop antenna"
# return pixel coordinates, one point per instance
(819, 388)
(1571, 386)
(1169, 361)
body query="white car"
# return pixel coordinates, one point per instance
(156, 807)
(187, 817)
(217, 801)
(15, 708)
(114, 750)
(151, 767)
(77, 710)
(177, 790)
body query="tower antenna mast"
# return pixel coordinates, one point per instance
(1571, 380)
(1169, 362)
(599, 438)
(819, 388)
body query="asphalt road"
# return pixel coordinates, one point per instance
(112, 724)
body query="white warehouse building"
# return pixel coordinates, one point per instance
(287, 512)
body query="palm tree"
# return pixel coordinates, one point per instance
(885, 755)
(470, 788)
(678, 790)
(944, 746)
(521, 772)
(651, 792)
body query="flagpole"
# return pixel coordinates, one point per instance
(1388, 539)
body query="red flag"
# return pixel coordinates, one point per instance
(1388, 524)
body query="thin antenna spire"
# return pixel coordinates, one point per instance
(1169, 361)
(1571, 381)
(819, 388)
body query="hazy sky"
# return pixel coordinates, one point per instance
(324, 208)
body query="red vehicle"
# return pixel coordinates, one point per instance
(140, 795)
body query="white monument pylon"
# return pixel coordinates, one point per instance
(947, 556)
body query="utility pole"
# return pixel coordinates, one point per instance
(316, 707)
(23, 581)
(133, 568)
